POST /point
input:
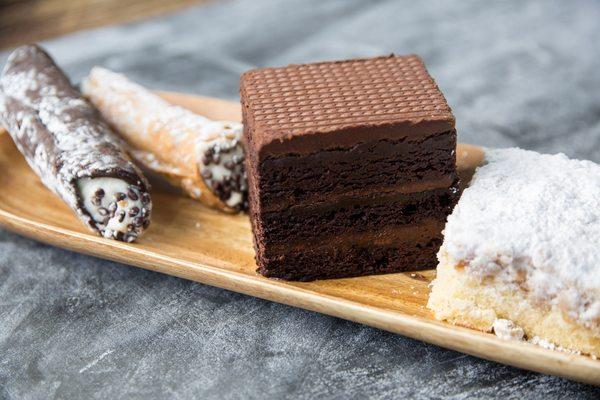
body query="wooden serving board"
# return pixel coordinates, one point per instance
(193, 242)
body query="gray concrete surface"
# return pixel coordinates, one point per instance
(71, 326)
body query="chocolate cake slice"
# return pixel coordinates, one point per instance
(351, 167)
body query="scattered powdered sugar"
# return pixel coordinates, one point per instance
(551, 346)
(533, 220)
(508, 330)
(151, 161)
(2, 109)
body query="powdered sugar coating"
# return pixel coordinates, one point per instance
(207, 155)
(533, 220)
(131, 108)
(60, 134)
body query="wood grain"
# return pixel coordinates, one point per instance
(196, 243)
(26, 21)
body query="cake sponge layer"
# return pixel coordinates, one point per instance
(357, 169)
(325, 262)
(317, 222)
(465, 300)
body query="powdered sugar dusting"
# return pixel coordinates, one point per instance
(203, 153)
(133, 109)
(534, 220)
(60, 134)
(546, 344)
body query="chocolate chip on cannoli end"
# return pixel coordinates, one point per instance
(131, 193)
(96, 201)
(138, 221)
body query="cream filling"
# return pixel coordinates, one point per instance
(123, 217)
(225, 163)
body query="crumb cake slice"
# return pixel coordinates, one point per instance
(521, 252)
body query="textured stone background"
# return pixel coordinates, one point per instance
(71, 326)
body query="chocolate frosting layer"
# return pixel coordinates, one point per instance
(309, 107)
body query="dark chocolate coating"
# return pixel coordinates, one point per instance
(62, 137)
(351, 167)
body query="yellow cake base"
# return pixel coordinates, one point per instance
(463, 300)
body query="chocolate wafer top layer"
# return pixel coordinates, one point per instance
(304, 108)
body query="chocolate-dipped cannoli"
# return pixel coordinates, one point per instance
(202, 156)
(70, 147)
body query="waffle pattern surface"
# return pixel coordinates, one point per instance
(336, 95)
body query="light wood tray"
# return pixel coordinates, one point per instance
(196, 243)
